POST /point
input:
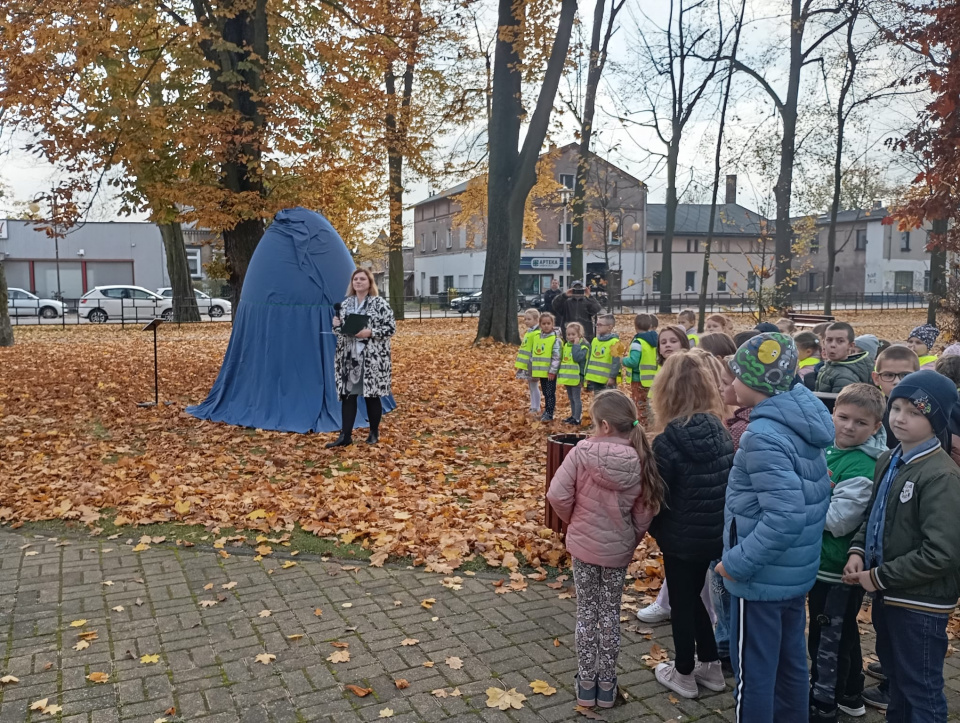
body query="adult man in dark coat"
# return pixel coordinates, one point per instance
(550, 294)
(576, 305)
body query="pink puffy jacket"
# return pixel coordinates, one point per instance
(596, 492)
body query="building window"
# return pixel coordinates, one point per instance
(449, 238)
(903, 281)
(418, 214)
(423, 242)
(656, 282)
(447, 283)
(463, 281)
(861, 239)
(567, 180)
(926, 280)
(434, 285)
(751, 281)
(812, 281)
(693, 246)
(721, 281)
(905, 246)
(193, 262)
(435, 246)
(815, 244)
(656, 245)
(691, 281)
(565, 233)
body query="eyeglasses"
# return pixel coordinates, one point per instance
(892, 376)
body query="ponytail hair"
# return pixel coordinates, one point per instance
(620, 413)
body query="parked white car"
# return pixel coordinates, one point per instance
(211, 306)
(133, 303)
(21, 302)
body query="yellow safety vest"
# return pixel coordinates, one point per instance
(647, 368)
(523, 354)
(600, 363)
(541, 355)
(810, 361)
(928, 359)
(694, 339)
(569, 373)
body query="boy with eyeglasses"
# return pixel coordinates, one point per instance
(893, 364)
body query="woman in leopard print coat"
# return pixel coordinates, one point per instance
(362, 364)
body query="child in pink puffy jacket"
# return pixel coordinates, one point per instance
(607, 491)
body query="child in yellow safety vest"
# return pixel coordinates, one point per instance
(531, 320)
(640, 365)
(808, 349)
(545, 363)
(573, 363)
(688, 320)
(603, 367)
(921, 340)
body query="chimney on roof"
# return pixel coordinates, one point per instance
(731, 188)
(878, 204)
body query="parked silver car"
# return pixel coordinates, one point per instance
(211, 306)
(21, 302)
(132, 303)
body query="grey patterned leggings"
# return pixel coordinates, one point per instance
(599, 590)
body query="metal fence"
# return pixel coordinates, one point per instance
(463, 304)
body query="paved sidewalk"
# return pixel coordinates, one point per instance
(158, 602)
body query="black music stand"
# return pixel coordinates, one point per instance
(152, 326)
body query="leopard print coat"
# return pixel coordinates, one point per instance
(377, 368)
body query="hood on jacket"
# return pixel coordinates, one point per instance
(873, 447)
(801, 412)
(648, 336)
(860, 357)
(613, 461)
(702, 438)
(607, 337)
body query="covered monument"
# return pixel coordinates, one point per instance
(278, 370)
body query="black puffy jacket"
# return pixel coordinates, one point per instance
(694, 460)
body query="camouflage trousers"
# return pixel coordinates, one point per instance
(599, 590)
(836, 662)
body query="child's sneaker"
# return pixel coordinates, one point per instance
(607, 693)
(685, 685)
(586, 692)
(852, 705)
(710, 676)
(547, 417)
(569, 420)
(876, 698)
(876, 670)
(653, 613)
(819, 715)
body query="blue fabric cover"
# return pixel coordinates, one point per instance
(278, 369)
(777, 497)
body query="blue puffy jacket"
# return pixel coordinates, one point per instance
(777, 498)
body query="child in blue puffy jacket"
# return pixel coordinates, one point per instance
(776, 505)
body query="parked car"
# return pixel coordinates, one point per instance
(470, 304)
(21, 302)
(135, 303)
(211, 306)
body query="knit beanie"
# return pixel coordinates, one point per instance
(932, 394)
(868, 343)
(927, 333)
(766, 363)
(765, 327)
(952, 350)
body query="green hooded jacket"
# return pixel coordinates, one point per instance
(835, 375)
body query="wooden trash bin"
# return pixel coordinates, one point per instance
(558, 447)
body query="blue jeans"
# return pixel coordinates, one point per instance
(721, 605)
(911, 646)
(769, 656)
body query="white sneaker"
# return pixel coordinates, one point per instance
(685, 685)
(653, 613)
(710, 676)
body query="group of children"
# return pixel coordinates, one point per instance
(764, 506)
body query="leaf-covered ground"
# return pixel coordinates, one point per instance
(459, 473)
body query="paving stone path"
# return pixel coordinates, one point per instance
(152, 602)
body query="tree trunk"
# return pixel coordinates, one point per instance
(239, 244)
(511, 173)
(598, 58)
(849, 73)
(783, 189)
(395, 197)
(666, 266)
(938, 271)
(702, 315)
(184, 300)
(6, 331)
